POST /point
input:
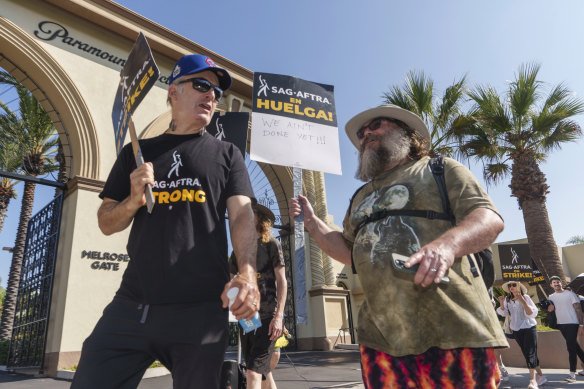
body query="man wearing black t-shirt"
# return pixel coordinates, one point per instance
(171, 303)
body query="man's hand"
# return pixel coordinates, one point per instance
(435, 260)
(139, 178)
(475, 232)
(247, 302)
(295, 207)
(551, 308)
(275, 327)
(114, 216)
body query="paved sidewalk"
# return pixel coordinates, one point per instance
(339, 369)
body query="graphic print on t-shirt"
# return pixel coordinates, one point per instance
(389, 235)
(175, 165)
(185, 189)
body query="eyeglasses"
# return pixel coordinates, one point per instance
(373, 125)
(202, 85)
(513, 284)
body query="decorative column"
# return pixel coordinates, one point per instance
(316, 267)
(320, 190)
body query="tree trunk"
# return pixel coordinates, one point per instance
(16, 266)
(528, 185)
(542, 246)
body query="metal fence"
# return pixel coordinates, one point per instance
(33, 304)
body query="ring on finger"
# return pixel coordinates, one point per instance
(433, 269)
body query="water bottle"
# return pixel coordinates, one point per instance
(246, 325)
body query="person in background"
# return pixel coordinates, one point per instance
(178, 273)
(522, 310)
(502, 368)
(281, 342)
(258, 345)
(568, 310)
(413, 320)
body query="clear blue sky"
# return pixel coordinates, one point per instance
(363, 50)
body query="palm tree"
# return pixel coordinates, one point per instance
(512, 135)
(577, 239)
(10, 161)
(417, 95)
(36, 140)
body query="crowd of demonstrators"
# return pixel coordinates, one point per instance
(404, 340)
(178, 273)
(522, 312)
(566, 305)
(259, 345)
(416, 271)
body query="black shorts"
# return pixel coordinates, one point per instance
(188, 339)
(257, 348)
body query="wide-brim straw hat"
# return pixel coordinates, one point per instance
(265, 211)
(506, 286)
(388, 111)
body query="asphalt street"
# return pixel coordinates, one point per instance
(339, 369)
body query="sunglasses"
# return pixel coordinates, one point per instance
(373, 125)
(513, 284)
(203, 86)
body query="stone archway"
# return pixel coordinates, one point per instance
(37, 70)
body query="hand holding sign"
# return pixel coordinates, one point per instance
(136, 79)
(294, 124)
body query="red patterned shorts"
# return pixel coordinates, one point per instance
(435, 369)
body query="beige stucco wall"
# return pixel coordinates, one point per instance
(573, 259)
(89, 290)
(97, 79)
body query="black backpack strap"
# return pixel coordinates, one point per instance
(437, 167)
(350, 206)
(401, 212)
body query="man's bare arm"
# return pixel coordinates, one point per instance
(115, 216)
(244, 242)
(476, 231)
(329, 240)
(276, 325)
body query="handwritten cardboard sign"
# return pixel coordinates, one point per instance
(294, 123)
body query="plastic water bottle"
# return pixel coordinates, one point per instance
(246, 325)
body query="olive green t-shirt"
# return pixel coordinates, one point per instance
(398, 317)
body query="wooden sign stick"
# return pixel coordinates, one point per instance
(139, 161)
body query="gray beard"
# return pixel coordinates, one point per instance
(393, 147)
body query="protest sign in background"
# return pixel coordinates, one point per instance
(136, 78)
(230, 127)
(538, 277)
(294, 123)
(516, 262)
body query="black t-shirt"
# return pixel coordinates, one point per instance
(268, 258)
(178, 254)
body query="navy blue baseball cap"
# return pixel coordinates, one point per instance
(195, 63)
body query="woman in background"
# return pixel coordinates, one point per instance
(522, 310)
